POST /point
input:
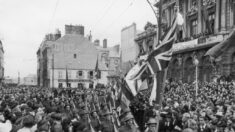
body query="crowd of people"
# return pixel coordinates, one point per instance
(33, 109)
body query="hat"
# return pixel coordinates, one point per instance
(152, 121)
(220, 114)
(28, 121)
(56, 116)
(83, 112)
(128, 117)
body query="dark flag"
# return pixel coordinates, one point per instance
(160, 57)
(97, 71)
(67, 78)
(220, 48)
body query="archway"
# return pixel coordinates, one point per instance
(189, 70)
(206, 70)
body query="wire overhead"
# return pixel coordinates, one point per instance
(53, 15)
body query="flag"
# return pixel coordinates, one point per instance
(160, 57)
(67, 78)
(124, 96)
(142, 85)
(132, 76)
(220, 48)
(170, 33)
(97, 71)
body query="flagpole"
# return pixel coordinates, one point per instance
(158, 41)
(53, 70)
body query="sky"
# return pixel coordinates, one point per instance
(24, 23)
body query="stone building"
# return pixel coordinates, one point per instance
(129, 48)
(110, 56)
(69, 61)
(207, 23)
(1, 62)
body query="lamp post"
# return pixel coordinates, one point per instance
(196, 62)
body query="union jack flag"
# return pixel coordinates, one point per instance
(161, 56)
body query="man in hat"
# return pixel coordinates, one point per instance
(83, 123)
(107, 123)
(95, 120)
(151, 125)
(29, 124)
(56, 126)
(129, 125)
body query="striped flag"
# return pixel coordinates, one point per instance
(160, 57)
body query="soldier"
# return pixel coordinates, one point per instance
(151, 125)
(83, 123)
(106, 124)
(129, 125)
(95, 121)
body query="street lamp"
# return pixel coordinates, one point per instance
(196, 62)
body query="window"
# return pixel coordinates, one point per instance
(69, 85)
(79, 74)
(90, 85)
(74, 56)
(193, 27)
(91, 74)
(60, 85)
(60, 74)
(211, 22)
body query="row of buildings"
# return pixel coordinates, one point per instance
(207, 23)
(72, 60)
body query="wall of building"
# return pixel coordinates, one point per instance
(74, 79)
(196, 40)
(30, 80)
(129, 49)
(1, 61)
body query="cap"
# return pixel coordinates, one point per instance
(152, 121)
(128, 117)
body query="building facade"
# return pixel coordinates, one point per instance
(70, 61)
(30, 80)
(129, 49)
(1, 62)
(110, 56)
(207, 23)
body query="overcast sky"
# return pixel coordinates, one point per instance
(24, 23)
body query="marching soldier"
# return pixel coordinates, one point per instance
(129, 124)
(151, 125)
(106, 124)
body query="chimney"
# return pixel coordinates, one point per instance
(57, 34)
(74, 29)
(105, 43)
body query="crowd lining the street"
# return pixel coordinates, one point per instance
(33, 109)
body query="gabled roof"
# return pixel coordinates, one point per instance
(70, 44)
